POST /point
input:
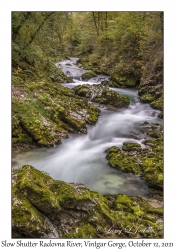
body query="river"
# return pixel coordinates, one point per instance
(81, 158)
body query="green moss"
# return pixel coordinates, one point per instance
(147, 162)
(131, 146)
(73, 211)
(123, 199)
(124, 79)
(44, 113)
(155, 211)
(19, 135)
(82, 232)
(147, 98)
(88, 75)
(93, 114)
(37, 192)
(136, 217)
(157, 104)
(117, 159)
(27, 221)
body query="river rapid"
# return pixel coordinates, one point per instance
(81, 158)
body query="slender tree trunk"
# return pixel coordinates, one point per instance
(95, 23)
(98, 22)
(162, 21)
(106, 21)
(101, 21)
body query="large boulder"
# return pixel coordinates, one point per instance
(88, 75)
(124, 80)
(47, 208)
(103, 95)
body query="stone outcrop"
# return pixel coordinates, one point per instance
(47, 208)
(124, 79)
(103, 95)
(43, 113)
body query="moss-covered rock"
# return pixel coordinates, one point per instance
(147, 162)
(124, 79)
(44, 113)
(117, 159)
(153, 95)
(46, 208)
(27, 221)
(157, 104)
(103, 95)
(87, 75)
(131, 146)
(19, 135)
(147, 98)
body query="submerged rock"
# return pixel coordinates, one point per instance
(47, 208)
(103, 95)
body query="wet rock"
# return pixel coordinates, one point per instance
(121, 161)
(147, 98)
(131, 146)
(56, 78)
(105, 83)
(46, 208)
(88, 75)
(147, 162)
(158, 104)
(100, 94)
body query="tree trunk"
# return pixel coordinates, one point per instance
(106, 21)
(162, 21)
(95, 23)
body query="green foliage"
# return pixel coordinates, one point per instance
(38, 41)
(127, 45)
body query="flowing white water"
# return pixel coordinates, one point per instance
(81, 159)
